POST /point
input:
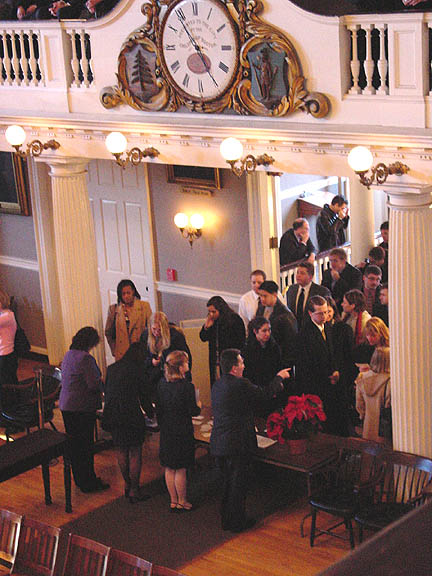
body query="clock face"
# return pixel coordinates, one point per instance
(199, 48)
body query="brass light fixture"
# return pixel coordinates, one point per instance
(190, 228)
(15, 135)
(360, 159)
(116, 143)
(232, 151)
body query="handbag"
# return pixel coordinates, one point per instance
(385, 419)
(21, 342)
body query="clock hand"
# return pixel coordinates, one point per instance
(197, 48)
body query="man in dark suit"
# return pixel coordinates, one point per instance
(341, 276)
(372, 287)
(296, 244)
(301, 292)
(282, 320)
(331, 224)
(316, 367)
(233, 440)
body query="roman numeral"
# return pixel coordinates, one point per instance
(220, 28)
(175, 66)
(186, 80)
(172, 28)
(180, 14)
(170, 47)
(200, 86)
(195, 8)
(209, 14)
(223, 67)
(226, 47)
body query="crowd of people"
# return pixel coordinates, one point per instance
(58, 9)
(331, 340)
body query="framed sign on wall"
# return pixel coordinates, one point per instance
(195, 176)
(14, 190)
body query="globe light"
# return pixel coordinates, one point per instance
(197, 221)
(116, 142)
(231, 149)
(181, 220)
(360, 159)
(15, 135)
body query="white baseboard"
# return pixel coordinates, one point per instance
(19, 263)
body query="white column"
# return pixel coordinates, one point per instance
(262, 191)
(75, 248)
(361, 221)
(410, 293)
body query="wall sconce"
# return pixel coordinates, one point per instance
(232, 151)
(117, 144)
(360, 159)
(189, 228)
(15, 135)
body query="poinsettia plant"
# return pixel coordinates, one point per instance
(301, 416)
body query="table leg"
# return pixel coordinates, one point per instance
(46, 481)
(67, 483)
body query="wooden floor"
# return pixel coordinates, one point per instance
(273, 548)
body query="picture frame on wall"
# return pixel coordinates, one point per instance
(14, 189)
(195, 176)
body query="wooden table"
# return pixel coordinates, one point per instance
(36, 449)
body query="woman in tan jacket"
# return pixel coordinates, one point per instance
(373, 393)
(127, 319)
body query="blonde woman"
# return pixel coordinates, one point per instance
(175, 407)
(161, 339)
(373, 393)
(127, 319)
(8, 358)
(376, 332)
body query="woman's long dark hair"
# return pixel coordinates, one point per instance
(85, 339)
(122, 284)
(221, 306)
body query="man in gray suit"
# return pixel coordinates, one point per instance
(301, 292)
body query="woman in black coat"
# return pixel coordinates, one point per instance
(126, 396)
(175, 407)
(263, 360)
(343, 391)
(223, 329)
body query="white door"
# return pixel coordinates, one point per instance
(120, 205)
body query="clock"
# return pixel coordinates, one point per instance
(199, 48)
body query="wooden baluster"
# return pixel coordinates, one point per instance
(24, 60)
(33, 61)
(369, 64)
(74, 61)
(1, 62)
(84, 60)
(15, 59)
(355, 62)
(382, 62)
(6, 58)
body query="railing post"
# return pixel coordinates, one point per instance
(39, 388)
(355, 62)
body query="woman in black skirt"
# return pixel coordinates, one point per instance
(126, 396)
(175, 407)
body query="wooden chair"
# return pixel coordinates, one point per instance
(162, 571)
(37, 549)
(10, 524)
(342, 486)
(85, 557)
(123, 564)
(402, 488)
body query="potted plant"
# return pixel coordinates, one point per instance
(293, 424)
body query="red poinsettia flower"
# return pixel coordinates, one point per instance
(301, 416)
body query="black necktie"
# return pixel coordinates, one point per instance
(300, 305)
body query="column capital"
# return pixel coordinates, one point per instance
(411, 196)
(65, 165)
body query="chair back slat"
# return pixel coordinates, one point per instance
(37, 549)
(85, 557)
(123, 564)
(10, 523)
